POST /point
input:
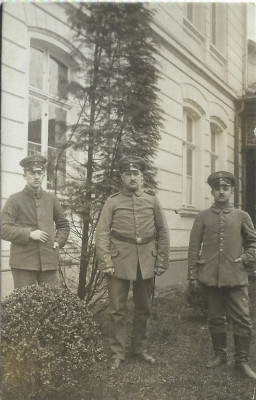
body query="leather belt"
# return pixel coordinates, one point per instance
(137, 240)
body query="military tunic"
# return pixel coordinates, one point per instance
(132, 236)
(217, 239)
(25, 211)
(138, 216)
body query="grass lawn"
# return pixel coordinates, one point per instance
(180, 341)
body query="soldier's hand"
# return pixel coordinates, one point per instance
(56, 245)
(159, 271)
(39, 235)
(108, 271)
(238, 260)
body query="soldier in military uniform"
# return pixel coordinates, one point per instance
(132, 243)
(221, 250)
(35, 224)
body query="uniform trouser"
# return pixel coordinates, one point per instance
(235, 302)
(118, 290)
(25, 277)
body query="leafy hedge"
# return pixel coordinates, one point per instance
(49, 343)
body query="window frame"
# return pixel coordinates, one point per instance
(214, 155)
(195, 16)
(48, 99)
(218, 38)
(191, 145)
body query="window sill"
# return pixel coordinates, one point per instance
(188, 211)
(217, 55)
(192, 31)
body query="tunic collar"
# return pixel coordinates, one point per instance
(217, 210)
(33, 194)
(127, 192)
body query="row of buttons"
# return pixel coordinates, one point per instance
(221, 233)
(138, 239)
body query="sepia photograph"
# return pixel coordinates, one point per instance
(128, 200)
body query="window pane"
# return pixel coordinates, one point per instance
(189, 161)
(56, 126)
(58, 78)
(36, 68)
(189, 129)
(35, 123)
(56, 140)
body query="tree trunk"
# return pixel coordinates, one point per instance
(85, 256)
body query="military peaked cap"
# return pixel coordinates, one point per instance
(221, 178)
(33, 163)
(129, 163)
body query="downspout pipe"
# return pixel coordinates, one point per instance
(236, 150)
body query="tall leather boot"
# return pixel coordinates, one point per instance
(242, 350)
(219, 342)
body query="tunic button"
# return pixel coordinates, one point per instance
(138, 240)
(221, 249)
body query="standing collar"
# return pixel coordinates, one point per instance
(227, 209)
(127, 192)
(33, 194)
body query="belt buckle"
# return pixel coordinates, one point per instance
(138, 240)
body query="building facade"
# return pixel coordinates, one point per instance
(203, 50)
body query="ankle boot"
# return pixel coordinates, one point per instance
(219, 342)
(242, 350)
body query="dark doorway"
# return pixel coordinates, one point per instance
(250, 185)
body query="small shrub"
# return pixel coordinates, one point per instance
(49, 343)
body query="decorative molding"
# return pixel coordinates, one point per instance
(59, 42)
(194, 105)
(218, 121)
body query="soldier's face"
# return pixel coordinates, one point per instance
(132, 180)
(34, 178)
(222, 194)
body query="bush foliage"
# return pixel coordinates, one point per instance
(49, 343)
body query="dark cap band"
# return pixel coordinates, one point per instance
(130, 163)
(34, 163)
(221, 178)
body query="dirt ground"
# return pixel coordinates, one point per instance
(180, 342)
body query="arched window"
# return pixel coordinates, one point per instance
(192, 149)
(47, 110)
(217, 146)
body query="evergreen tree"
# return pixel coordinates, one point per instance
(120, 115)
